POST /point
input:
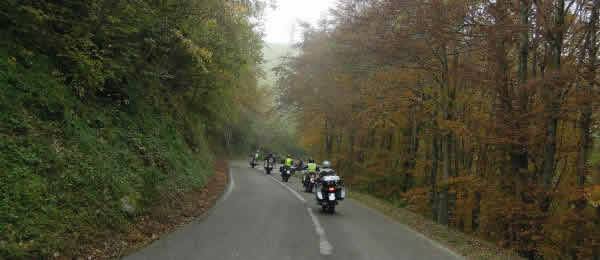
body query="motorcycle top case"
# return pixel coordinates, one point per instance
(334, 178)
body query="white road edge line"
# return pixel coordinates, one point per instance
(325, 248)
(231, 184)
(290, 189)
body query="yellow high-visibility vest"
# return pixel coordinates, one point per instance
(312, 167)
(289, 162)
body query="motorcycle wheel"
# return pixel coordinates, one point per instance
(330, 209)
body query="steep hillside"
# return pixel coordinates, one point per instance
(106, 111)
(73, 171)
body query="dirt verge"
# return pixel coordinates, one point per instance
(170, 213)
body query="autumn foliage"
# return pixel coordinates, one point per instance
(478, 114)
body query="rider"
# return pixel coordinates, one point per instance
(254, 156)
(328, 176)
(311, 168)
(270, 157)
(326, 170)
(300, 164)
(288, 161)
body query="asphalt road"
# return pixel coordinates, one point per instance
(260, 218)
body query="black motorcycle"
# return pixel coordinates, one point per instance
(329, 192)
(268, 166)
(286, 173)
(309, 181)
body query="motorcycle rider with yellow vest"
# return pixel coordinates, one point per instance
(309, 179)
(289, 161)
(287, 169)
(286, 163)
(311, 167)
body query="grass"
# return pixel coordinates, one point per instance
(463, 244)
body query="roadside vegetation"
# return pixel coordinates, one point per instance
(108, 107)
(480, 115)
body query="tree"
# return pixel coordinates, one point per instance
(467, 110)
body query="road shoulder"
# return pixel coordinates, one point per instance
(460, 243)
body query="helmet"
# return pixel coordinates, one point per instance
(311, 160)
(326, 164)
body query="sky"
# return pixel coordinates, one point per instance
(279, 21)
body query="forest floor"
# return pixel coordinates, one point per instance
(171, 213)
(461, 243)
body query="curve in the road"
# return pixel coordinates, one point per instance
(256, 219)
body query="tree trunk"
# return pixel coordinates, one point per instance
(227, 134)
(442, 216)
(550, 150)
(446, 96)
(328, 139)
(551, 104)
(433, 177)
(352, 154)
(585, 121)
(414, 138)
(520, 156)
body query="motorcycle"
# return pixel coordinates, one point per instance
(253, 163)
(286, 172)
(309, 181)
(329, 192)
(268, 166)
